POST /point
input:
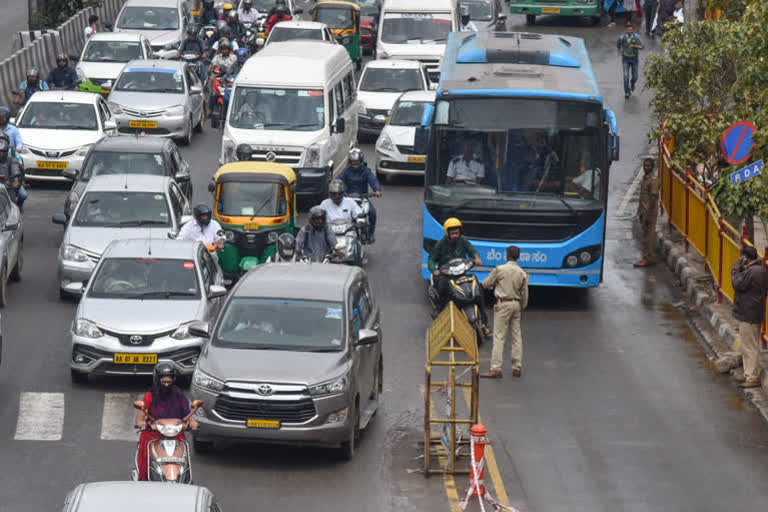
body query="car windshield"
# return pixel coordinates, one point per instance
(369, 7)
(145, 278)
(479, 11)
(415, 27)
(277, 109)
(391, 80)
(59, 116)
(279, 34)
(112, 51)
(281, 324)
(249, 199)
(151, 80)
(149, 18)
(122, 209)
(407, 113)
(112, 162)
(336, 17)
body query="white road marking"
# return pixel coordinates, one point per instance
(118, 417)
(41, 417)
(630, 192)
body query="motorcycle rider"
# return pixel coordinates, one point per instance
(8, 128)
(235, 27)
(14, 188)
(225, 34)
(225, 10)
(209, 14)
(281, 14)
(224, 59)
(357, 177)
(452, 245)
(337, 206)
(193, 44)
(247, 13)
(286, 249)
(29, 87)
(10, 169)
(242, 56)
(62, 76)
(274, 8)
(316, 240)
(466, 24)
(164, 401)
(203, 228)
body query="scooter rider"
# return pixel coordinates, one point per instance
(235, 27)
(286, 249)
(10, 168)
(281, 14)
(193, 44)
(8, 128)
(29, 87)
(247, 13)
(14, 188)
(337, 206)
(357, 177)
(164, 401)
(316, 240)
(209, 14)
(203, 228)
(225, 10)
(62, 76)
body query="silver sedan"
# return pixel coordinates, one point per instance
(157, 97)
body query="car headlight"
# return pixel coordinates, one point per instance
(385, 143)
(114, 107)
(84, 150)
(87, 328)
(177, 110)
(313, 155)
(72, 253)
(205, 381)
(329, 388)
(80, 74)
(25, 150)
(182, 333)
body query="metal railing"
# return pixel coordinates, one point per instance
(691, 209)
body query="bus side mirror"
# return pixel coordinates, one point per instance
(615, 148)
(420, 140)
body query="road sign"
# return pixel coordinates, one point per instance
(750, 171)
(737, 142)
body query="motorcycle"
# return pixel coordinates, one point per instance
(465, 293)
(348, 247)
(168, 459)
(364, 220)
(221, 88)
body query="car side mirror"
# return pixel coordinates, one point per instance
(367, 336)
(200, 329)
(11, 225)
(70, 174)
(420, 140)
(110, 125)
(382, 119)
(196, 89)
(216, 290)
(182, 176)
(59, 218)
(340, 125)
(211, 187)
(74, 288)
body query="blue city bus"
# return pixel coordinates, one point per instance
(523, 110)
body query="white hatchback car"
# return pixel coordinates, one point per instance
(58, 129)
(382, 82)
(298, 29)
(394, 147)
(106, 53)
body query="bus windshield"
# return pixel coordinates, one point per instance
(504, 148)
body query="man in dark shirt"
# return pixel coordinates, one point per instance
(62, 76)
(749, 277)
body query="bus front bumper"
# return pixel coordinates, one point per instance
(560, 10)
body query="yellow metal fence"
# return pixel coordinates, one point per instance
(691, 210)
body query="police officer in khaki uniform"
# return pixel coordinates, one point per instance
(510, 286)
(647, 211)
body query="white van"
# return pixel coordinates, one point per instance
(295, 103)
(416, 31)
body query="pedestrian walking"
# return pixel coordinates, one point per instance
(93, 23)
(629, 46)
(647, 211)
(649, 11)
(510, 286)
(750, 285)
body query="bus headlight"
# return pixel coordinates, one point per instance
(583, 256)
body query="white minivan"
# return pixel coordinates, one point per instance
(416, 31)
(295, 103)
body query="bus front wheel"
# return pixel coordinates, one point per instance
(530, 19)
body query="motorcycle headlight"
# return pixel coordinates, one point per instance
(84, 150)
(329, 388)
(87, 328)
(205, 381)
(170, 430)
(177, 110)
(182, 333)
(114, 107)
(313, 155)
(72, 253)
(385, 143)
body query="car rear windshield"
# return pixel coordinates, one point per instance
(158, 80)
(145, 278)
(149, 18)
(59, 116)
(290, 33)
(281, 324)
(110, 162)
(122, 209)
(112, 51)
(391, 80)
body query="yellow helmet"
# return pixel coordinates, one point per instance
(227, 7)
(451, 223)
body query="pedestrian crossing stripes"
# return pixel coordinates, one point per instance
(41, 417)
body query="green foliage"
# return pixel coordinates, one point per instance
(56, 12)
(710, 75)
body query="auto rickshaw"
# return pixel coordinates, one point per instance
(254, 202)
(343, 19)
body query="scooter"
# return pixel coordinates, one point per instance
(168, 458)
(348, 244)
(221, 88)
(465, 293)
(364, 220)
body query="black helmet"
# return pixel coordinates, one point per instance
(200, 211)
(336, 191)
(163, 370)
(225, 32)
(244, 152)
(286, 246)
(191, 31)
(281, 9)
(61, 58)
(317, 213)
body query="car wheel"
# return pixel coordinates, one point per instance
(347, 449)
(530, 19)
(186, 140)
(202, 446)
(78, 377)
(4, 289)
(17, 268)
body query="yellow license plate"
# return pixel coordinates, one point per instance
(42, 164)
(418, 159)
(550, 10)
(142, 124)
(252, 226)
(135, 358)
(253, 423)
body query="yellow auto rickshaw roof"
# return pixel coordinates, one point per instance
(256, 171)
(338, 2)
